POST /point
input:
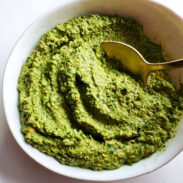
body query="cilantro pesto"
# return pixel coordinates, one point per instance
(81, 108)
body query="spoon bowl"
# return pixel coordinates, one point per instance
(133, 61)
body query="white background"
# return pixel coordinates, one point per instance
(15, 165)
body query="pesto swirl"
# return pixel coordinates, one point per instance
(81, 107)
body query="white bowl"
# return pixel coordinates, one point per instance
(159, 23)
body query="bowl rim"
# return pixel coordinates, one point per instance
(36, 20)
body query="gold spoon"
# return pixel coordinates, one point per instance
(134, 62)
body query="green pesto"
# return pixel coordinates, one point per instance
(81, 108)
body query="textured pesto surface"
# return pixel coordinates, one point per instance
(81, 108)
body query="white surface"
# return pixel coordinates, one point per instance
(16, 166)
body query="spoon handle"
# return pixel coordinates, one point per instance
(166, 65)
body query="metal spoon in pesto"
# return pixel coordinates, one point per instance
(134, 62)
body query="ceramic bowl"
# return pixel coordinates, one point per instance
(160, 23)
